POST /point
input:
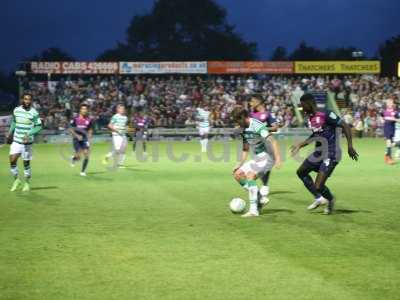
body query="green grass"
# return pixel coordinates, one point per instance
(162, 230)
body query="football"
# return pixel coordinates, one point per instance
(237, 205)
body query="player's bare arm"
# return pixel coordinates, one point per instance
(111, 127)
(347, 133)
(243, 159)
(296, 148)
(74, 134)
(276, 150)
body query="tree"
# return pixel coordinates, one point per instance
(342, 53)
(305, 52)
(182, 30)
(52, 54)
(279, 54)
(389, 53)
(8, 84)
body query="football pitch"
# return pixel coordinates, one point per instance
(162, 230)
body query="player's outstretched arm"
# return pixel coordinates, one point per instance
(296, 148)
(245, 154)
(347, 133)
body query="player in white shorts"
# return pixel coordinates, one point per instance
(203, 123)
(255, 134)
(119, 127)
(24, 126)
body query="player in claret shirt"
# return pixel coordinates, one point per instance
(389, 127)
(81, 129)
(140, 124)
(327, 154)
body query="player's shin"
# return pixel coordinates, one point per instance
(326, 193)
(14, 170)
(265, 178)
(121, 159)
(309, 184)
(85, 164)
(27, 170)
(205, 141)
(388, 151)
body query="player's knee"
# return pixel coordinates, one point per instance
(251, 176)
(238, 175)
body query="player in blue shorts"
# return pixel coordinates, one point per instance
(81, 129)
(326, 133)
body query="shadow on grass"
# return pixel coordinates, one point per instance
(277, 211)
(134, 169)
(38, 188)
(37, 199)
(281, 192)
(96, 173)
(90, 177)
(350, 211)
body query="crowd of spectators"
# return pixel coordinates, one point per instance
(171, 101)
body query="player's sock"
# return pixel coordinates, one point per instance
(310, 186)
(121, 159)
(253, 197)
(388, 151)
(14, 170)
(144, 147)
(244, 183)
(134, 146)
(202, 145)
(85, 164)
(205, 141)
(265, 178)
(264, 191)
(27, 170)
(326, 193)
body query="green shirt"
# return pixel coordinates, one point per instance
(255, 135)
(120, 123)
(203, 118)
(25, 123)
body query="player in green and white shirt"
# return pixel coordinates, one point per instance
(24, 126)
(254, 134)
(119, 128)
(203, 124)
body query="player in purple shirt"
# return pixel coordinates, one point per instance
(325, 126)
(390, 114)
(140, 124)
(259, 112)
(81, 129)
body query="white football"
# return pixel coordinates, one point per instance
(237, 205)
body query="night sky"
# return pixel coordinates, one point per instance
(84, 28)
